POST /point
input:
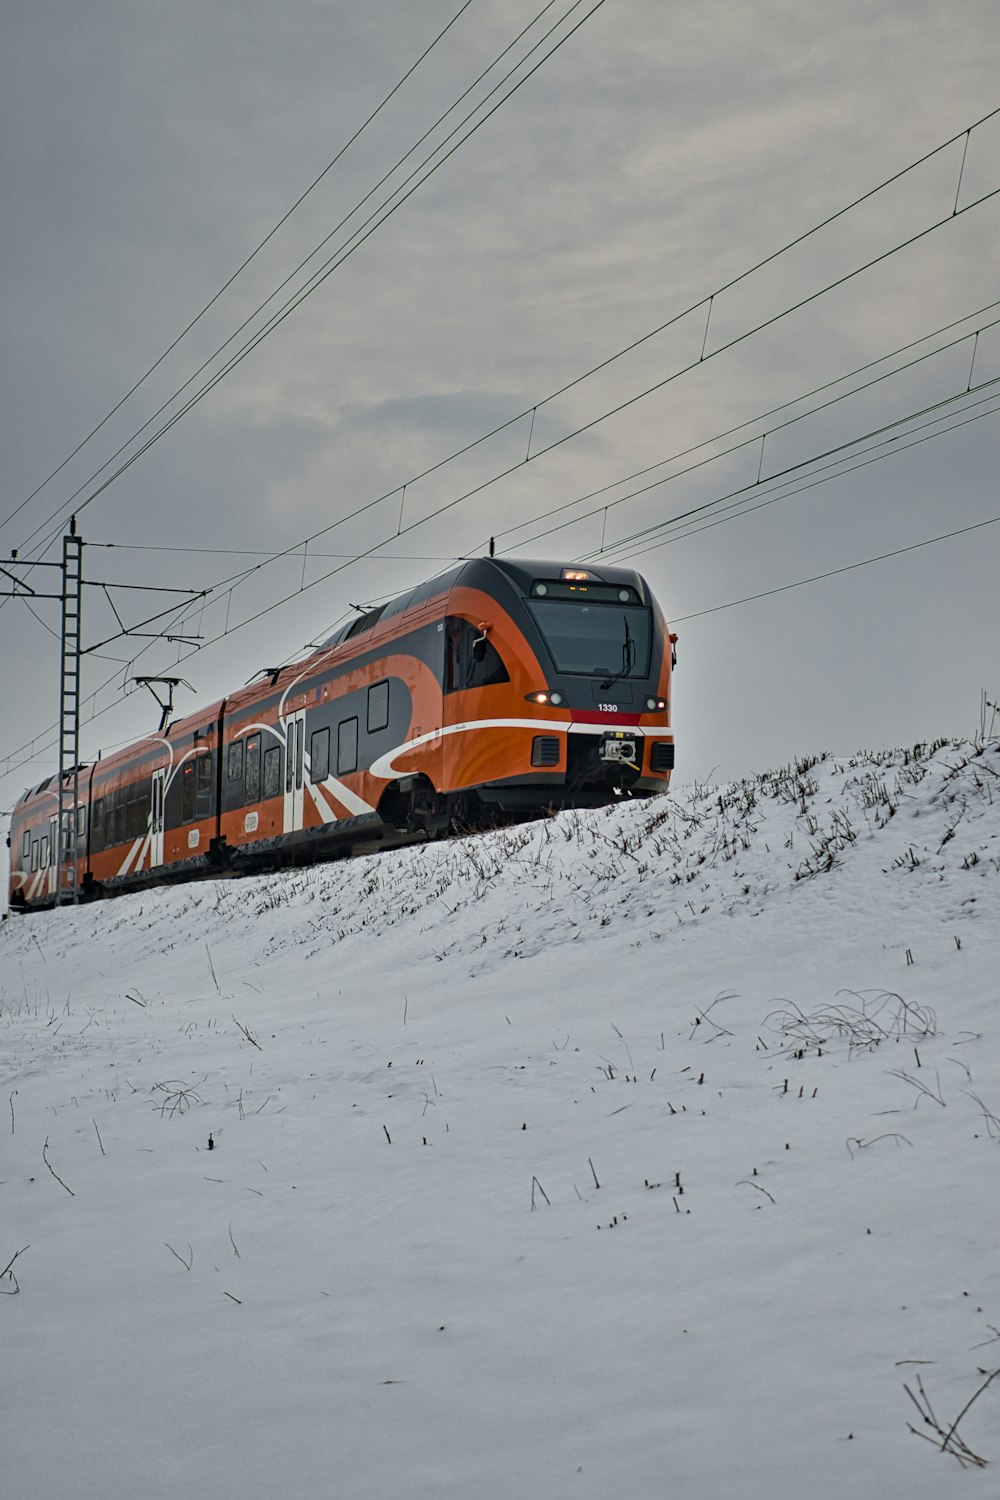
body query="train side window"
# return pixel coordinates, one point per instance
(34, 854)
(43, 852)
(378, 707)
(120, 823)
(132, 820)
(319, 755)
(144, 812)
(81, 824)
(471, 659)
(235, 765)
(291, 730)
(196, 789)
(97, 825)
(253, 769)
(347, 746)
(272, 771)
(26, 844)
(203, 786)
(187, 793)
(109, 821)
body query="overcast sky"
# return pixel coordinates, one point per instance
(658, 154)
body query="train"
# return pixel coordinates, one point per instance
(499, 690)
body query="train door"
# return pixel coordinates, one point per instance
(50, 856)
(156, 803)
(295, 740)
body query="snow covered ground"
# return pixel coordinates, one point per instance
(646, 1152)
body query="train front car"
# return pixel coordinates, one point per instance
(556, 686)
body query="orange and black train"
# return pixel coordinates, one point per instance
(498, 690)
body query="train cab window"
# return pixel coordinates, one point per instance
(347, 746)
(26, 844)
(319, 755)
(378, 707)
(252, 782)
(235, 762)
(272, 771)
(471, 659)
(34, 854)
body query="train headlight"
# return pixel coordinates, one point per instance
(555, 698)
(656, 705)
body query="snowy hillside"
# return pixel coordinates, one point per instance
(653, 1151)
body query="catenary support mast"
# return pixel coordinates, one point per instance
(68, 834)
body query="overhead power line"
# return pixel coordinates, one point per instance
(612, 411)
(703, 302)
(220, 590)
(758, 437)
(888, 432)
(784, 588)
(34, 750)
(708, 442)
(244, 264)
(354, 242)
(294, 594)
(237, 579)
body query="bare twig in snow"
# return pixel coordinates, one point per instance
(8, 1271)
(248, 1034)
(55, 1174)
(950, 1440)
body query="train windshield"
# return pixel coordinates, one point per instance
(595, 640)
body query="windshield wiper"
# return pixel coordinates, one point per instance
(628, 659)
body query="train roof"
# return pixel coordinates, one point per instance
(477, 571)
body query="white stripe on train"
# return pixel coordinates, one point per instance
(384, 767)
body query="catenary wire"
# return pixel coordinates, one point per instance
(178, 609)
(37, 750)
(243, 266)
(234, 580)
(896, 176)
(749, 442)
(675, 318)
(318, 277)
(232, 629)
(834, 572)
(790, 474)
(510, 531)
(815, 483)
